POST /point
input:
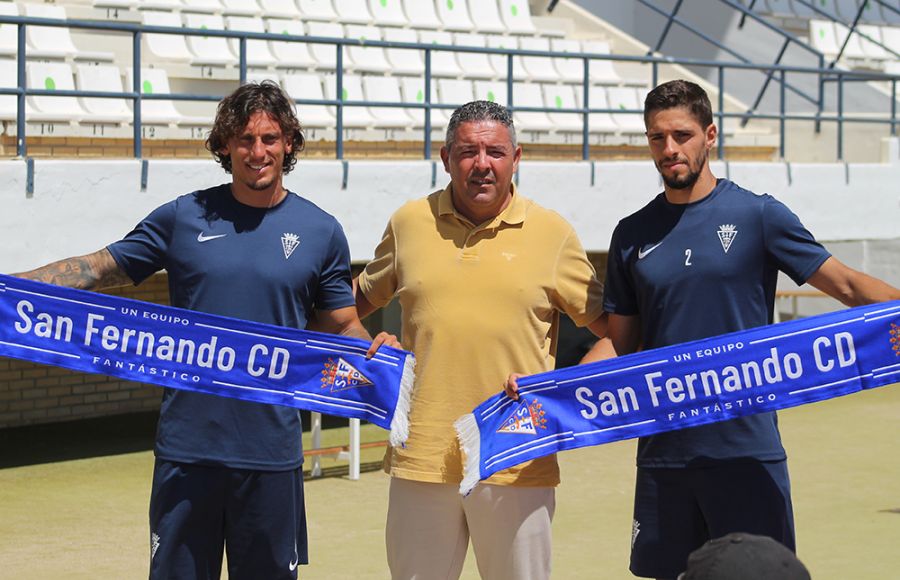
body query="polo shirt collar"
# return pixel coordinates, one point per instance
(513, 214)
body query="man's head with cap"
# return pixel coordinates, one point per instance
(740, 556)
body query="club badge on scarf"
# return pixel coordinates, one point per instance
(715, 379)
(183, 349)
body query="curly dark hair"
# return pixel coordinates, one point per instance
(680, 93)
(235, 110)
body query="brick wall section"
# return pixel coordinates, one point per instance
(31, 394)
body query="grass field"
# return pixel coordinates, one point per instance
(87, 518)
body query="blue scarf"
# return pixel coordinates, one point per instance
(695, 383)
(194, 351)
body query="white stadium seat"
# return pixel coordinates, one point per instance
(530, 95)
(517, 16)
(888, 16)
(872, 50)
(485, 16)
(493, 91)
(625, 98)
(421, 14)
(443, 62)
(853, 49)
(9, 33)
(597, 122)
(166, 47)
(46, 42)
(325, 54)
(475, 64)
(562, 97)
(891, 37)
(8, 79)
(355, 117)
(160, 5)
(602, 71)
(317, 10)
(801, 10)
(309, 86)
(386, 90)
(388, 12)
(366, 58)
(102, 77)
(258, 53)
(51, 76)
(352, 11)
(290, 54)
(404, 61)
(241, 8)
(454, 92)
(847, 9)
(571, 70)
(454, 14)
(201, 6)
(155, 81)
(413, 91)
(538, 68)
(208, 50)
(279, 9)
(822, 37)
(500, 61)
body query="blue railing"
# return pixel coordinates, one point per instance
(654, 62)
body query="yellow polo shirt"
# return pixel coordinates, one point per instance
(478, 302)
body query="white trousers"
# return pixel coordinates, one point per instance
(429, 526)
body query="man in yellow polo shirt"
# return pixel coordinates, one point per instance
(481, 274)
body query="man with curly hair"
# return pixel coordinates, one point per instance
(228, 473)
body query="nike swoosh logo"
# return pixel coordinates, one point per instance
(644, 253)
(201, 238)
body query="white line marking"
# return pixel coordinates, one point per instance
(878, 376)
(508, 402)
(649, 364)
(360, 349)
(547, 444)
(878, 370)
(888, 309)
(60, 299)
(40, 349)
(338, 399)
(249, 388)
(638, 424)
(842, 323)
(384, 362)
(201, 325)
(888, 315)
(530, 390)
(299, 398)
(529, 444)
(829, 384)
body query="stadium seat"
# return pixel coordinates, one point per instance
(827, 9)
(891, 37)
(475, 64)
(258, 53)
(309, 86)
(571, 70)
(801, 10)
(421, 14)
(443, 62)
(155, 81)
(388, 12)
(601, 71)
(485, 16)
(102, 77)
(279, 9)
(325, 54)
(455, 15)
(530, 95)
(355, 117)
(8, 79)
(493, 91)
(413, 91)
(626, 98)
(562, 97)
(404, 61)
(454, 92)
(500, 61)
(115, 4)
(847, 9)
(165, 47)
(822, 37)
(289, 54)
(517, 16)
(869, 48)
(366, 58)
(51, 76)
(208, 50)
(160, 5)
(853, 49)
(241, 8)
(387, 90)
(539, 68)
(352, 11)
(317, 10)
(888, 16)
(9, 33)
(55, 43)
(201, 6)
(775, 7)
(597, 122)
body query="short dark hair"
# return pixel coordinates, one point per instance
(479, 111)
(235, 110)
(680, 93)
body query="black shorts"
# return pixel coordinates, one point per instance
(195, 510)
(677, 510)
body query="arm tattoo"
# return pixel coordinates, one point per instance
(91, 272)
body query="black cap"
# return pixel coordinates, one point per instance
(740, 556)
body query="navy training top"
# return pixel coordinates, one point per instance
(272, 265)
(696, 270)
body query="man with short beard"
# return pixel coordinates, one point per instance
(702, 259)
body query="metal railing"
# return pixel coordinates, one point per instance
(428, 104)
